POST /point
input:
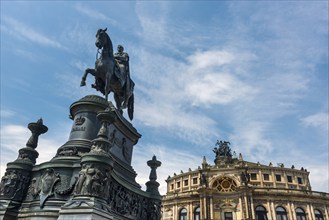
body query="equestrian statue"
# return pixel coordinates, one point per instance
(112, 73)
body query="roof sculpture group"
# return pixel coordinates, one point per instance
(112, 73)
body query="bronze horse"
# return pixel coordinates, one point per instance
(108, 77)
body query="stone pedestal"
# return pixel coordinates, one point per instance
(90, 177)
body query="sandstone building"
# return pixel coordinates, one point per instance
(234, 189)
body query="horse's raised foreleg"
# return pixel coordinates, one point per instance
(84, 77)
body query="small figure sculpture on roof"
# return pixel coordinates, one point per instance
(223, 149)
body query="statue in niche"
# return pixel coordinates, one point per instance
(125, 150)
(96, 182)
(9, 184)
(112, 138)
(81, 179)
(48, 181)
(100, 147)
(203, 180)
(245, 177)
(83, 185)
(33, 188)
(155, 212)
(12, 184)
(91, 181)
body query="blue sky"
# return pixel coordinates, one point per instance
(254, 73)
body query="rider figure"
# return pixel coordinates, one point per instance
(122, 59)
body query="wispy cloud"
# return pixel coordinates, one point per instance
(209, 59)
(199, 85)
(23, 31)
(318, 120)
(5, 113)
(70, 84)
(94, 14)
(15, 137)
(255, 80)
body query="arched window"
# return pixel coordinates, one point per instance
(300, 214)
(197, 213)
(183, 214)
(260, 213)
(281, 213)
(318, 214)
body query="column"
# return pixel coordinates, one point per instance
(273, 179)
(261, 178)
(246, 206)
(252, 207)
(312, 211)
(189, 182)
(309, 214)
(201, 207)
(273, 208)
(241, 208)
(290, 210)
(326, 214)
(293, 211)
(211, 208)
(271, 211)
(174, 212)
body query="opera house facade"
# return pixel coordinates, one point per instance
(235, 189)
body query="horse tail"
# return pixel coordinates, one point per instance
(131, 107)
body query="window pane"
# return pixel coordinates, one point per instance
(318, 214)
(183, 214)
(280, 209)
(299, 210)
(228, 214)
(260, 208)
(197, 214)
